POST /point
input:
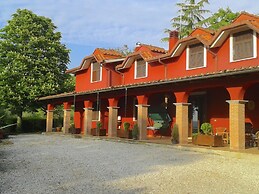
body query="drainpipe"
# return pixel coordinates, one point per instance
(214, 56)
(165, 66)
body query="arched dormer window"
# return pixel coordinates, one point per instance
(196, 56)
(96, 72)
(243, 45)
(140, 68)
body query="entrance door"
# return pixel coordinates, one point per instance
(197, 111)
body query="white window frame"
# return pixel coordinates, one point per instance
(135, 70)
(99, 115)
(204, 58)
(101, 72)
(231, 48)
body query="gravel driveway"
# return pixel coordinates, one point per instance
(62, 164)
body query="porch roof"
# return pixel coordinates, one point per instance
(240, 71)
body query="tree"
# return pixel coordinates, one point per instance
(190, 16)
(32, 61)
(221, 18)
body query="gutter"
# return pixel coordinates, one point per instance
(162, 82)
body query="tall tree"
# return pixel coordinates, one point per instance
(33, 61)
(191, 15)
(221, 18)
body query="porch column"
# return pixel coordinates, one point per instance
(237, 124)
(182, 115)
(236, 117)
(182, 121)
(88, 114)
(49, 120)
(88, 117)
(113, 121)
(66, 121)
(142, 120)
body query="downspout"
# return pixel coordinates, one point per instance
(165, 67)
(214, 56)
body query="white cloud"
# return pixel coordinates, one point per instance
(112, 23)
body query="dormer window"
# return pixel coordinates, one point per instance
(140, 68)
(96, 72)
(196, 56)
(242, 45)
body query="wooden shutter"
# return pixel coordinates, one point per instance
(141, 68)
(243, 45)
(196, 56)
(96, 72)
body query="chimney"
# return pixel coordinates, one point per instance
(173, 38)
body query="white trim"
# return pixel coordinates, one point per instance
(99, 115)
(204, 58)
(101, 72)
(219, 37)
(176, 49)
(231, 48)
(135, 70)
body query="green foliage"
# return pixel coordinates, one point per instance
(124, 50)
(99, 125)
(221, 18)
(126, 126)
(135, 131)
(206, 128)
(175, 134)
(32, 61)
(31, 124)
(190, 16)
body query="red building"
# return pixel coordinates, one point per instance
(206, 77)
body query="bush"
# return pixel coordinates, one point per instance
(175, 134)
(126, 126)
(135, 131)
(99, 125)
(30, 125)
(206, 128)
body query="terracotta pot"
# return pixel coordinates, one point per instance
(210, 140)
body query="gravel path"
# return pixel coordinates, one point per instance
(62, 164)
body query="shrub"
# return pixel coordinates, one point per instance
(99, 125)
(126, 126)
(206, 128)
(175, 134)
(135, 131)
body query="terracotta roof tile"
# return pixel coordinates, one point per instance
(201, 76)
(154, 48)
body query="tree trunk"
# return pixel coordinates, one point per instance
(19, 122)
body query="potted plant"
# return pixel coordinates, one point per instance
(125, 133)
(206, 137)
(135, 132)
(175, 134)
(98, 131)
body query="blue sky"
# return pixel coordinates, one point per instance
(89, 24)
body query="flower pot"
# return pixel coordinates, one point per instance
(98, 132)
(210, 140)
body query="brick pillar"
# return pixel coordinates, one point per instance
(142, 120)
(66, 121)
(49, 121)
(237, 124)
(88, 113)
(113, 121)
(182, 121)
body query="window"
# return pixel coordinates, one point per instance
(196, 56)
(140, 68)
(96, 72)
(96, 112)
(242, 45)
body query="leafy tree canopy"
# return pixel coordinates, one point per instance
(33, 60)
(190, 16)
(221, 18)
